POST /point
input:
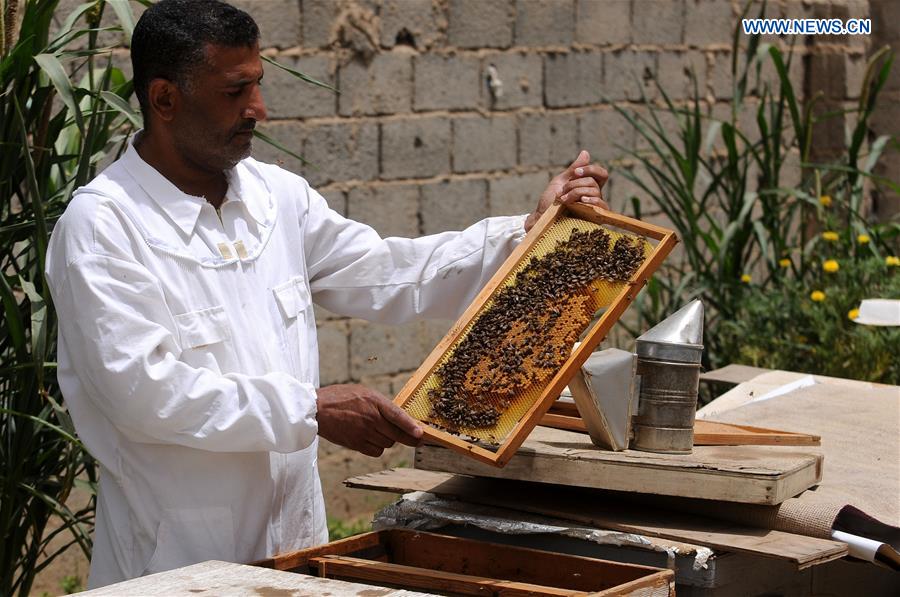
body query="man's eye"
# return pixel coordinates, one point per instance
(234, 93)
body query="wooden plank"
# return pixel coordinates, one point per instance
(666, 242)
(238, 580)
(745, 474)
(708, 433)
(600, 510)
(714, 433)
(355, 569)
(733, 374)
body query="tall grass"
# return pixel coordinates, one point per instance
(742, 196)
(64, 110)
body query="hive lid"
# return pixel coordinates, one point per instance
(678, 337)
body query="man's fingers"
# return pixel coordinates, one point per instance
(583, 159)
(382, 437)
(584, 195)
(411, 432)
(370, 449)
(580, 193)
(580, 182)
(595, 171)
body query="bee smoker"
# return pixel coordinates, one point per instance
(645, 401)
(668, 369)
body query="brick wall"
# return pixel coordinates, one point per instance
(418, 143)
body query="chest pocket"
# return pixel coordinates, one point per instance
(205, 339)
(294, 306)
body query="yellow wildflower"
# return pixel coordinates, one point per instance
(831, 266)
(892, 260)
(746, 279)
(817, 295)
(853, 314)
(784, 262)
(863, 239)
(830, 235)
(825, 200)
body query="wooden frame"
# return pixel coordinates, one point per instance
(666, 240)
(706, 433)
(445, 564)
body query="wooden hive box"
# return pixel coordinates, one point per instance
(446, 565)
(488, 382)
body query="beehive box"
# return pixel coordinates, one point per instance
(499, 368)
(448, 565)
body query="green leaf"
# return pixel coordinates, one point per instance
(300, 75)
(116, 102)
(126, 18)
(274, 143)
(51, 65)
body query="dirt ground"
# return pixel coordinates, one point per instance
(70, 570)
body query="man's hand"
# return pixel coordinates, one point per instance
(361, 419)
(581, 181)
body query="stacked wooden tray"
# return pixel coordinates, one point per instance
(453, 566)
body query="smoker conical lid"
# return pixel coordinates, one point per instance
(679, 337)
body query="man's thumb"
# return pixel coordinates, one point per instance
(583, 159)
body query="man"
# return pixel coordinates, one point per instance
(183, 276)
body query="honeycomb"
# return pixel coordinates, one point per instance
(499, 365)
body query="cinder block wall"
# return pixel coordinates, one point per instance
(417, 142)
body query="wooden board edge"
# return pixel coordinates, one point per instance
(752, 436)
(432, 481)
(768, 489)
(641, 586)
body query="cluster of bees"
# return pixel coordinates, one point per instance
(525, 335)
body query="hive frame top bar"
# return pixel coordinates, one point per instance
(666, 241)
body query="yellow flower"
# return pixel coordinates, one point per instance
(863, 239)
(817, 295)
(746, 279)
(784, 262)
(825, 200)
(830, 235)
(892, 260)
(831, 266)
(853, 314)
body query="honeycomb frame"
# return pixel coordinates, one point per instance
(519, 424)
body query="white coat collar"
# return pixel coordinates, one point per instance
(184, 209)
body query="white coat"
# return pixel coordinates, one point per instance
(188, 355)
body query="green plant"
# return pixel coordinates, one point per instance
(340, 529)
(806, 325)
(743, 195)
(71, 584)
(64, 110)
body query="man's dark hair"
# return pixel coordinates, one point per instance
(169, 40)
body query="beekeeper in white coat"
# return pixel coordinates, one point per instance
(184, 277)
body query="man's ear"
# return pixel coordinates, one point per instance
(164, 97)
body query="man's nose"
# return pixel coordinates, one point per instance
(256, 109)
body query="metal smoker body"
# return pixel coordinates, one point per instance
(646, 401)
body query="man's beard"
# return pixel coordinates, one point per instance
(203, 146)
